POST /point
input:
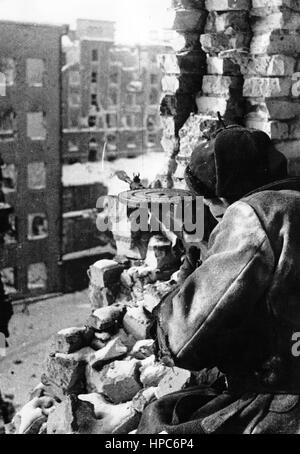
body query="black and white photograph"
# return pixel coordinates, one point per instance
(149, 219)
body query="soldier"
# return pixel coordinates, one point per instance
(239, 310)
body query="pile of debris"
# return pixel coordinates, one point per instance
(99, 377)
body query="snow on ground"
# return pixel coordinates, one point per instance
(148, 165)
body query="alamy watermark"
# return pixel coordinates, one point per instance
(186, 216)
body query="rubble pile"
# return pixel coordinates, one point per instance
(99, 377)
(240, 58)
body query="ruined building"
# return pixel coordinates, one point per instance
(111, 95)
(30, 132)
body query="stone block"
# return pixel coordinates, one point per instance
(276, 42)
(119, 380)
(107, 318)
(267, 87)
(66, 374)
(282, 109)
(265, 65)
(105, 273)
(175, 380)
(137, 323)
(221, 85)
(264, 4)
(285, 20)
(214, 43)
(72, 339)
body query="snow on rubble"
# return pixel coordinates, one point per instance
(148, 165)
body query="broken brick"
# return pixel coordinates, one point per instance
(106, 318)
(66, 373)
(119, 380)
(72, 339)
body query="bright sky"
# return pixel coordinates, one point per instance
(134, 18)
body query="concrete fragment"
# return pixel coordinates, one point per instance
(72, 339)
(115, 419)
(66, 374)
(175, 380)
(137, 323)
(105, 272)
(114, 349)
(106, 318)
(119, 380)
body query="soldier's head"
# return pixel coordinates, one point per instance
(234, 162)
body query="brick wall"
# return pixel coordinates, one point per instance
(241, 58)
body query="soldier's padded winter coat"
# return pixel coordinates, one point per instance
(240, 311)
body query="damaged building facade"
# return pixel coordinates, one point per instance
(111, 95)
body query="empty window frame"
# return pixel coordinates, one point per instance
(94, 99)
(35, 69)
(9, 280)
(74, 77)
(74, 99)
(94, 77)
(93, 150)
(8, 122)
(11, 234)
(111, 120)
(95, 55)
(37, 226)
(92, 121)
(36, 175)
(8, 72)
(9, 178)
(37, 276)
(36, 125)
